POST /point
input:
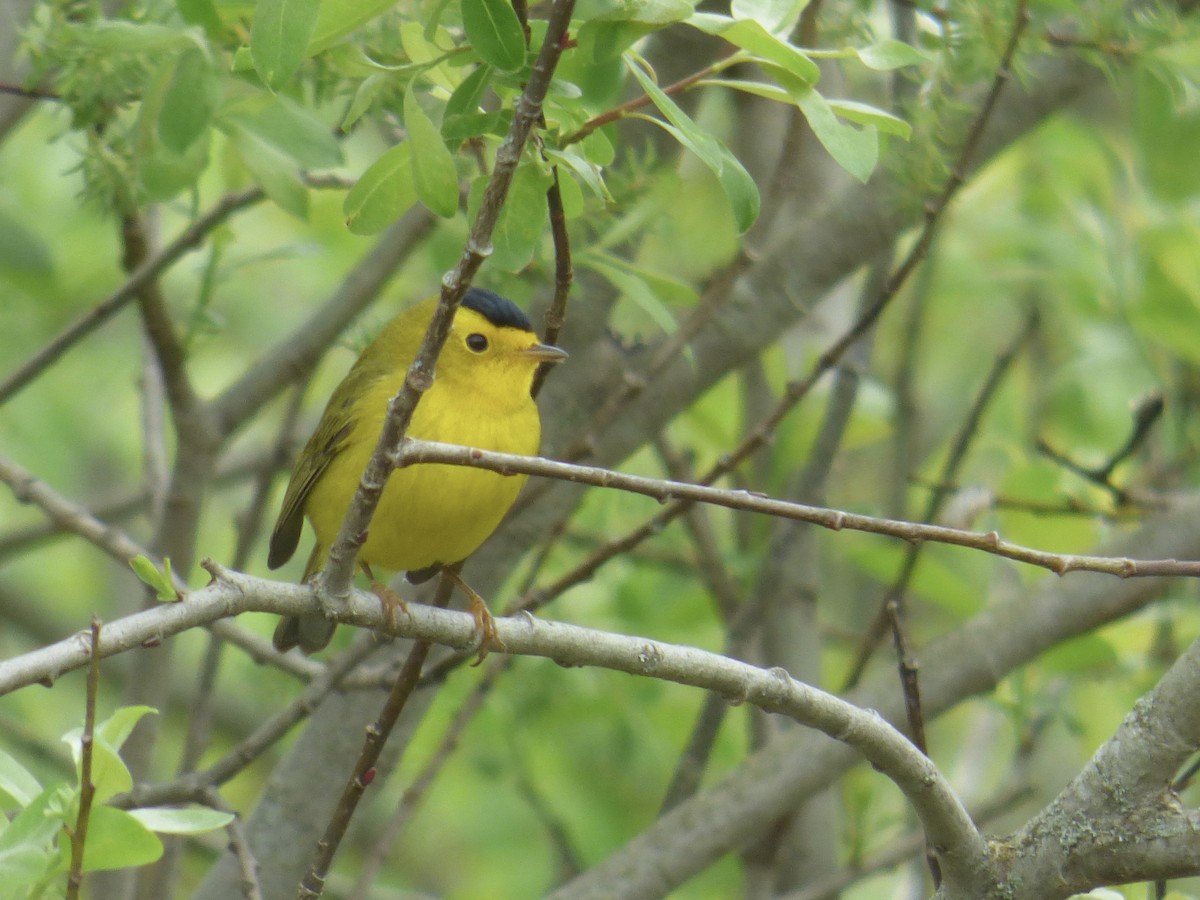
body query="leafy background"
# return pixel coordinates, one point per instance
(1091, 219)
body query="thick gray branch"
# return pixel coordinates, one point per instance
(969, 660)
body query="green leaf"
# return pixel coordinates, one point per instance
(182, 119)
(383, 193)
(110, 775)
(886, 55)
(16, 782)
(469, 94)
(777, 16)
(36, 824)
(601, 41)
(117, 727)
(854, 149)
(463, 119)
(646, 12)
(495, 33)
(22, 866)
(202, 13)
(279, 37)
(131, 37)
(164, 174)
(610, 30)
(434, 174)
(271, 170)
(457, 129)
(571, 195)
(337, 18)
(598, 148)
(286, 126)
(190, 100)
(765, 89)
(865, 114)
(117, 840)
(368, 89)
(26, 845)
(750, 35)
(522, 220)
(739, 187)
(583, 169)
(189, 820)
(646, 287)
(161, 581)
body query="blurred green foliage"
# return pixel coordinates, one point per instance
(1093, 219)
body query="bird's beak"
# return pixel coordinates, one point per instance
(545, 353)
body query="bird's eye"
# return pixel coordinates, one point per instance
(477, 342)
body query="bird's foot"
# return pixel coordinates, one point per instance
(485, 627)
(485, 622)
(391, 602)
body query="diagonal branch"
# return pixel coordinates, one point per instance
(142, 276)
(335, 579)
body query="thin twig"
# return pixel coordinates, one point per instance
(143, 275)
(1147, 412)
(414, 451)
(797, 390)
(363, 773)
(564, 274)
(619, 112)
(633, 383)
(17, 90)
(891, 610)
(87, 790)
(417, 789)
(168, 349)
(239, 844)
(117, 508)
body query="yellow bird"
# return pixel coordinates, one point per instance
(429, 516)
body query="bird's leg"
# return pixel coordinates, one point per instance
(390, 600)
(485, 624)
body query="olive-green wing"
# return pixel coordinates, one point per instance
(320, 450)
(386, 357)
(330, 438)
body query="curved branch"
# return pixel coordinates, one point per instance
(230, 593)
(969, 660)
(1138, 832)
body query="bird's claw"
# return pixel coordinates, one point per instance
(485, 628)
(391, 602)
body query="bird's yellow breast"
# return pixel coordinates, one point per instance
(428, 514)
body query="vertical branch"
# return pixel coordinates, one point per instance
(411, 799)
(564, 274)
(87, 790)
(363, 773)
(156, 321)
(891, 610)
(240, 845)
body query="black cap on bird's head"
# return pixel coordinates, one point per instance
(500, 311)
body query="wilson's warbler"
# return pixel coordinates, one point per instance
(429, 516)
